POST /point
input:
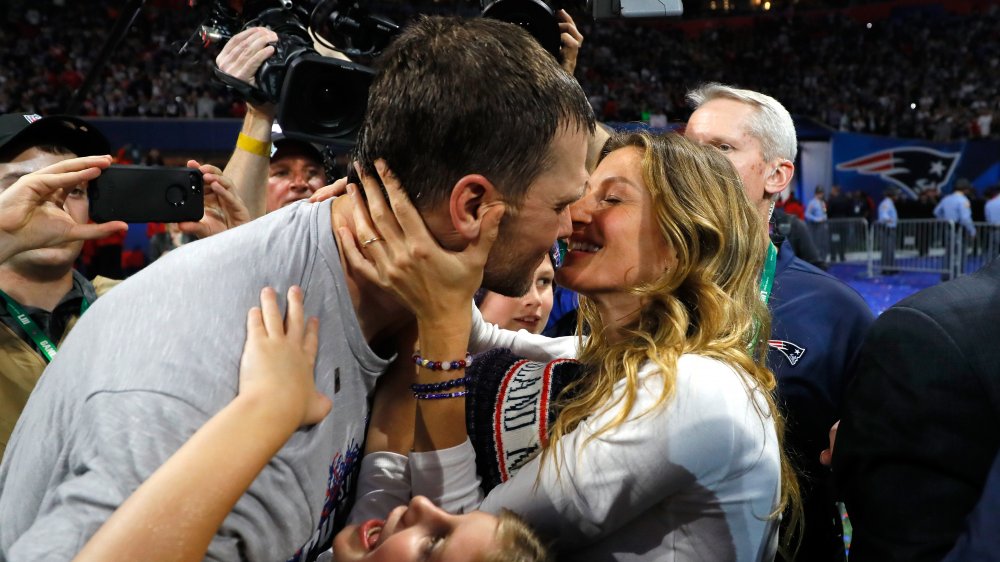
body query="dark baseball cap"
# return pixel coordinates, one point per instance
(290, 147)
(75, 134)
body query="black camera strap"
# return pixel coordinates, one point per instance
(247, 91)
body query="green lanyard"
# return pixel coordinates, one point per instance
(41, 340)
(766, 283)
(767, 278)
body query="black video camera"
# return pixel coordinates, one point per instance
(319, 99)
(539, 18)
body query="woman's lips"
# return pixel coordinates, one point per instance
(369, 532)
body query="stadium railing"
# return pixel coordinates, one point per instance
(931, 246)
(848, 242)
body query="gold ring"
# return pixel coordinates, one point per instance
(370, 241)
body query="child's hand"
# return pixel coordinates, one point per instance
(279, 357)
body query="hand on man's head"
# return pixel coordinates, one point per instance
(32, 213)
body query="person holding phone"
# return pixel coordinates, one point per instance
(42, 294)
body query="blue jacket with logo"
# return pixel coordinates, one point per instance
(817, 326)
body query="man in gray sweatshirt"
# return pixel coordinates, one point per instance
(467, 113)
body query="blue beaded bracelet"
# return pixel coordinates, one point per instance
(436, 386)
(442, 365)
(439, 396)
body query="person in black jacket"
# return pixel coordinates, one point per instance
(838, 207)
(919, 432)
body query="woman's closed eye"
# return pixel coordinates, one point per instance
(431, 544)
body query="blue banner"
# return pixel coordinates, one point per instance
(872, 163)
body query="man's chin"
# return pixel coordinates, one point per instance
(507, 284)
(514, 282)
(45, 261)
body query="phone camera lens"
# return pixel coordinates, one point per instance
(176, 195)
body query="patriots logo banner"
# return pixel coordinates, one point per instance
(872, 163)
(912, 169)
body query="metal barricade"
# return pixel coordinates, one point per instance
(848, 240)
(980, 249)
(927, 245)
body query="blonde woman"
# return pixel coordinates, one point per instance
(669, 447)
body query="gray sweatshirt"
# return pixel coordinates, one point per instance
(153, 360)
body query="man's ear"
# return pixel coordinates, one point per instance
(780, 177)
(471, 195)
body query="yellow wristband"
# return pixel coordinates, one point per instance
(253, 146)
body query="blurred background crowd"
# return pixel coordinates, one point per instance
(918, 74)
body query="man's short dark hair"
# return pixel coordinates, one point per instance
(458, 96)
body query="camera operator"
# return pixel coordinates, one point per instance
(295, 170)
(266, 181)
(248, 167)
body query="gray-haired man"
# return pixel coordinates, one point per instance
(818, 322)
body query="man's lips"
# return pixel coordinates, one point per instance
(369, 532)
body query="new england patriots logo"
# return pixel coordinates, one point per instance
(791, 351)
(913, 169)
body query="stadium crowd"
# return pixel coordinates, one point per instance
(832, 68)
(920, 74)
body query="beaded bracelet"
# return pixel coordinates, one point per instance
(438, 396)
(442, 365)
(436, 386)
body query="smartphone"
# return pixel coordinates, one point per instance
(147, 194)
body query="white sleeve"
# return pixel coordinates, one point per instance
(603, 482)
(383, 483)
(447, 477)
(536, 347)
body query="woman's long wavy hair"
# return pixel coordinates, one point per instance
(709, 303)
